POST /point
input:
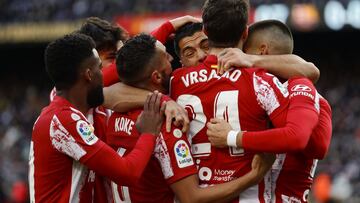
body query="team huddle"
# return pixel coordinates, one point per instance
(240, 121)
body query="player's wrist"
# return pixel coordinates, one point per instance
(254, 60)
(231, 139)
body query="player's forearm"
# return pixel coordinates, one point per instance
(287, 66)
(225, 192)
(188, 191)
(125, 170)
(294, 136)
(122, 98)
(163, 32)
(321, 136)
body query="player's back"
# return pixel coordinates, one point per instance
(165, 166)
(243, 97)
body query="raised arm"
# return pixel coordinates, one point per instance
(163, 32)
(187, 190)
(283, 66)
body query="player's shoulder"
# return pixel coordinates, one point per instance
(301, 84)
(252, 70)
(67, 115)
(300, 80)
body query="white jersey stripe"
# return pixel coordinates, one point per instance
(78, 175)
(31, 173)
(275, 172)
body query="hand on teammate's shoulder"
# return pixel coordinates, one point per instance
(152, 117)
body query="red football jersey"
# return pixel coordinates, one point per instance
(170, 162)
(62, 140)
(246, 98)
(293, 172)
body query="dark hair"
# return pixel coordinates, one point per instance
(133, 59)
(225, 21)
(103, 33)
(186, 30)
(276, 31)
(64, 56)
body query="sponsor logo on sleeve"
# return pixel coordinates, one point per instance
(182, 154)
(86, 132)
(301, 90)
(301, 87)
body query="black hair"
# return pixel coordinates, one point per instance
(277, 31)
(103, 33)
(134, 58)
(225, 21)
(186, 30)
(64, 56)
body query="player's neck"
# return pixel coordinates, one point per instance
(76, 98)
(215, 51)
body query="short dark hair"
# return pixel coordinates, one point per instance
(276, 31)
(64, 56)
(186, 30)
(134, 58)
(225, 21)
(103, 33)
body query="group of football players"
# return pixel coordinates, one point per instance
(122, 126)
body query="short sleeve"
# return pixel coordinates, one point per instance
(173, 153)
(73, 135)
(271, 94)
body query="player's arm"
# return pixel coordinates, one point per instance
(135, 98)
(320, 138)
(163, 32)
(283, 66)
(188, 189)
(116, 101)
(77, 140)
(294, 136)
(300, 120)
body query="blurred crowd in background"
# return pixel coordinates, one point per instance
(21, 102)
(53, 10)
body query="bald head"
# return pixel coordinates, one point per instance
(269, 37)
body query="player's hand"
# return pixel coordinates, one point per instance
(217, 131)
(177, 114)
(231, 57)
(260, 165)
(180, 21)
(152, 117)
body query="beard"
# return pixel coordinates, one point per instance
(95, 96)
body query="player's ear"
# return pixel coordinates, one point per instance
(88, 74)
(156, 77)
(264, 49)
